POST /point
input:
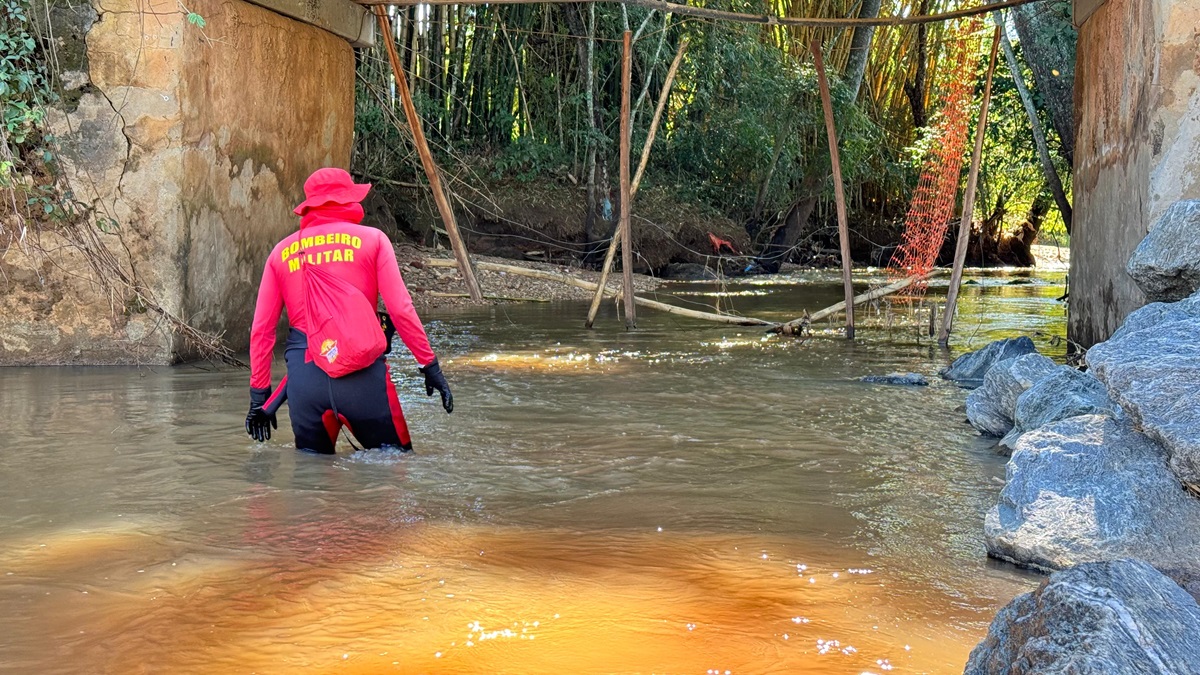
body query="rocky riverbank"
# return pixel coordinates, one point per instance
(1104, 467)
(1112, 617)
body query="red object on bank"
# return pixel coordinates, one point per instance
(719, 243)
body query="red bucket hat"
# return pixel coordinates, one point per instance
(331, 186)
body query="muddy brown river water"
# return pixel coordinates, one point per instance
(686, 498)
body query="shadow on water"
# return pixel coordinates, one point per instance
(684, 498)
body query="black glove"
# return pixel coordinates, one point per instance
(389, 329)
(435, 380)
(258, 421)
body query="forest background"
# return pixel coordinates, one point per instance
(521, 105)
(522, 102)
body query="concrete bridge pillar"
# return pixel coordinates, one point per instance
(1137, 147)
(191, 145)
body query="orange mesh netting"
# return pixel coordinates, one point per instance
(932, 206)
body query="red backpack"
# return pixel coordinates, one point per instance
(344, 335)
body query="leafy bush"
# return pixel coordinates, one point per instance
(24, 88)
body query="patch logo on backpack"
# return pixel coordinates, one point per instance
(329, 350)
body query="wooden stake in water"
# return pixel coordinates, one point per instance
(637, 180)
(838, 192)
(964, 226)
(625, 226)
(431, 170)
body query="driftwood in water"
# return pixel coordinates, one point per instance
(798, 325)
(609, 291)
(440, 294)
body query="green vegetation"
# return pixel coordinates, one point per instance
(24, 87)
(508, 97)
(526, 98)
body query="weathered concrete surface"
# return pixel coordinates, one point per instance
(1166, 265)
(1091, 488)
(249, 147)
(1151, 366)
(1111, 617)
(345, 19)
(1137, 139)
(192, 146)
(991, 407)
(1062, 394)
(971, 368)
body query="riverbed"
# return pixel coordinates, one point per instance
(685, 498)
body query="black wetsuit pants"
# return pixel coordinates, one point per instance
(365, 402)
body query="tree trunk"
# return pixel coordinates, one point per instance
(1035, 125)
(458, 73)
(589, 223)
(414, 50)
(1016, 250)
(779, 249)
(780, 141)
(860, 48)
(1048, 39)
(916, 90)
(649, 69)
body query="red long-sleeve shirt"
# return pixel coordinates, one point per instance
(331, 236)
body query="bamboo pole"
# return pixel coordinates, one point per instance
(431, 170)
(610, 292)
(625, 222)
(739, 17)
(964, 225)
(637, 179)
(838, 189)
(658, 111)
(791, 326)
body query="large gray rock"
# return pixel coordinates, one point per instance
(901, 379)
(1151, 367)
(1101, 618)
(990, 408)
(1088, 489)
(1062, 394)
(1166, 265)
(970, 369)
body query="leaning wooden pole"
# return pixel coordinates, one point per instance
(797, 325)
(1035, 126)
(838, 190)
(431, 170)
(625, 224)
(608, 261)
(658, 111)
(964, 225)
(637, 180)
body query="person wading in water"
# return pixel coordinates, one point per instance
(329, 275)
